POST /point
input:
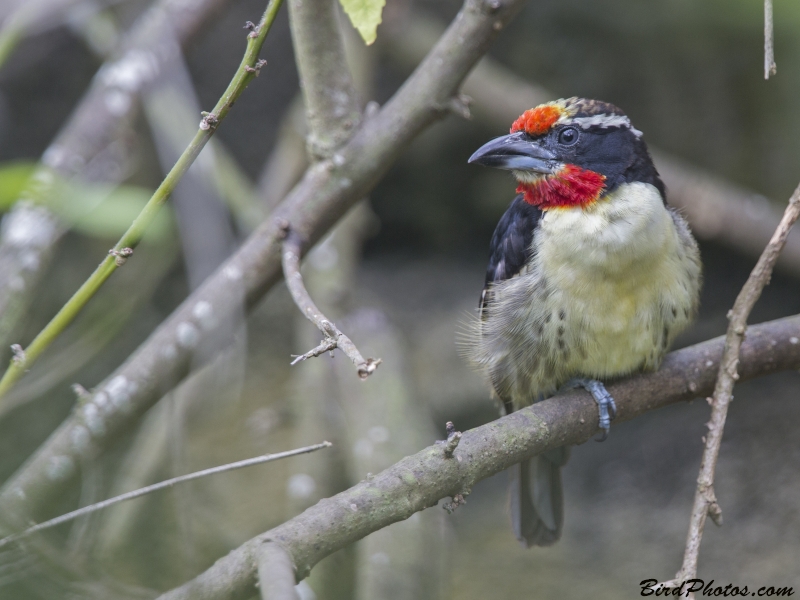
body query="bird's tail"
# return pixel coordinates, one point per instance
(537, 500)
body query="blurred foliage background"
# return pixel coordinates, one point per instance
(398, 276)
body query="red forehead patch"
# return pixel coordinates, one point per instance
(537, 121)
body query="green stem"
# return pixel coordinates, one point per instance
(248, 69)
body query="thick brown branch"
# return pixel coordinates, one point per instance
(420, 481)
(326, 192)
(705, 502)
(334, 338)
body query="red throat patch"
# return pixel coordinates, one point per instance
(571, 186)
(537, 121)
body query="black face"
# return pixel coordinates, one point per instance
(615, 152)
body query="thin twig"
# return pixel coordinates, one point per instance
(770, 68)
(276, 573)
(705, 501)
(247, 71)
(421, 480)
(333, 337)
(70, 516)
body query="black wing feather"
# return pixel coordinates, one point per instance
(510, 248)
(509, 251)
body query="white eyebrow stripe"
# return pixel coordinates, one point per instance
(605, 120)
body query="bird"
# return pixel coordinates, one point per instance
(591, 276)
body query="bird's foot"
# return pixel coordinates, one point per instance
(605, 403)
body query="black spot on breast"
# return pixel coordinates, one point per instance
(562, 315)
(560, 330)
(674, 312)
(547, 318)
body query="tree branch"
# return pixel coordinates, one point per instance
(326, 192)
(332, 107)
(421, 480)
(333, 337)
(705, 501)
(275, 573)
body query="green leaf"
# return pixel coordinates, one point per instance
(365, 15)
(13, 179)
(96, 209)
(106, 211)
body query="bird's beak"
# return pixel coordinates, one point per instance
(516, 152)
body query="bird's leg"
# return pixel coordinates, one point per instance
(605, 403)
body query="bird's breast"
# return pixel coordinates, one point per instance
(620, 275)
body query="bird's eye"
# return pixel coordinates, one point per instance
(568, 136)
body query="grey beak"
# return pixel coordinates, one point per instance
(516, 152)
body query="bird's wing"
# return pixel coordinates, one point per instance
(510, 248)
(509, 253)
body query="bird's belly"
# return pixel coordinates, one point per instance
(612, 331)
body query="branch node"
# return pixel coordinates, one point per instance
(368, 367)
(371, 109)
(328, 328)
(715, 512)
(457, 501)
(81, 392)
(459, 106)
(19, 354)
(453, 438)
(121, 256)
(326, 345)
(209, 121)
(283, 227)
(257, 68)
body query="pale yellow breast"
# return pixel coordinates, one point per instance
(626, 275)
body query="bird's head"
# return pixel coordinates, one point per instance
(570, 153)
